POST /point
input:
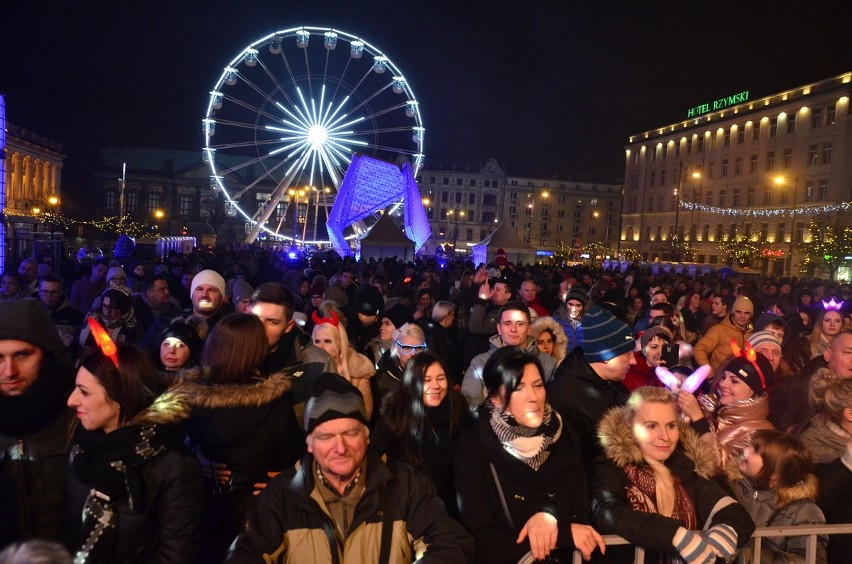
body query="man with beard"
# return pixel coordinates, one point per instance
(64, 317)
(36, 377)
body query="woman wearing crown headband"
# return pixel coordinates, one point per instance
(828, 323)
(135, 491)
(330, 335)
(773, 481)
(408, 340)
(736, 407)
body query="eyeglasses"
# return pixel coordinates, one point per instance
(411, 349)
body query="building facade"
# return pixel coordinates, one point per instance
(552, 215)
(759, 169)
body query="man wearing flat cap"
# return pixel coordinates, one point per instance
(345, 503)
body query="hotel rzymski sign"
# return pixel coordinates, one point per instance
(719, 104)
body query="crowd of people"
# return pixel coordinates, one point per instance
(249, 407)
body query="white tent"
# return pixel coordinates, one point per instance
(504, 237)
(385, 240)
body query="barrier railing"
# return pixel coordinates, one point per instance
(810, 531)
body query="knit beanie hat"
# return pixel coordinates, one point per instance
(604, 336)
(398, 315)
(760, 337)
(186, 334)
(317, 289)
(210, 277)
(742, 303)
(332, 396)
(116, 271)
(368, 301)
(750, 372)
(578, 293)
(764, 319)
(649, 334)
(27, 320)
(241, 290)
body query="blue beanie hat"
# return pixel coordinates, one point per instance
(604, 336)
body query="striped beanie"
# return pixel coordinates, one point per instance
(604, 336)
(332, 396)
(759, 337)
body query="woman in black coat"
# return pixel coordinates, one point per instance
(521, 484)
(422, 421)
(241, 421)
(134, 491)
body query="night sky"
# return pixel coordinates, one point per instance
(548, 88)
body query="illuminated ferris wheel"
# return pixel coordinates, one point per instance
(285, 117)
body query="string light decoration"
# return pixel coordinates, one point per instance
(829, 245)
(112, 224)
(630, 254)
(743, 248)
(773, 212)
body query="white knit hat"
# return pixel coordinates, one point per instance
(210, 277)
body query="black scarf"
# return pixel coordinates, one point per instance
(111, 463)
(41, 405)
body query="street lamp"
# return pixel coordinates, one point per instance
(781, 181)
(529, 222)
(676, 248)
(458, 215)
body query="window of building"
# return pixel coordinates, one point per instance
(727, 138)
(560, 213)
(708, 198)
(471, 199)
(735, 198)
(153, 202)
(823, 190)
(720, 229)
(723, 196)
(723, 170)
(677, 148)
(752, 168)
(773, 127)
(700, 143)
(816, 117)
(132, 201)
(631, 208)
(651, 204)
(662, 178)
(755, 132)
(813, 154)
(738, 166)
(185, 205)
(826, 153)
(443, 214)
(469, 234)
(431, 180)
(473, 182)
(446, 180)
(770, 160)
(653, 178)
(711, 170)
(809, 191)
(689, 146)
(767, 197)
(110, 200)
(513, 210)
(445, 197)
(705, 233)
(741, 134)
(489, 200)
(764, 230)
(659, 232)
(781, 232)
(830, 112)
(784, 197)
(750, 196)
(458, 197)
(791, 122)
(788, 158)
(458, 181)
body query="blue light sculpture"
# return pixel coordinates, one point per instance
(370, 185)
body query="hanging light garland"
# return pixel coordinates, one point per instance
(774, 212)
(114, 224)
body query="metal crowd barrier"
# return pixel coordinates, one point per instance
(810, 531)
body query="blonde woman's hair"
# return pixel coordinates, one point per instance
(829, 393)
(642, 395)
(407, 330)
(341, 341)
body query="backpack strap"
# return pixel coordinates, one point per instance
(502, 496)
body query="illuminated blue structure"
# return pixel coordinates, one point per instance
(371, 185)
(2, 183)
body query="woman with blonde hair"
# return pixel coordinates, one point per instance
(829, 429)
(654, 488)
(828, 324)
(330, 335)
(408, 340)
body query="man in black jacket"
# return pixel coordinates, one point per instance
(36, 377)
(589, 381)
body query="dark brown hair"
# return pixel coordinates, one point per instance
(235, 349)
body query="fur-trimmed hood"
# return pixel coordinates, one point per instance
(229, 396)
(560, 346)
(172, 407)
(620, 447)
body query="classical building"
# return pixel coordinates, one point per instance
(550, 214)
(759, 168)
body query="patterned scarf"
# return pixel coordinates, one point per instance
(642, 495)
(529, 445)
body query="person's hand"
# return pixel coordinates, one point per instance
(586, 538)
(214, 470)
(418, 314)
(481, 275)
(542, 532)
(689, 405)
(485, 291)
(260, 486)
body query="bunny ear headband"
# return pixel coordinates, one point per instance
(750, 355)
(103, 340)
(692, 382)
(333, 320)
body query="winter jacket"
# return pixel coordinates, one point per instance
(573, 329)
(66, 319)
(583, 397)
(788, 402)
(733, 425)
(290, 523)
(800, 510)
(692, 462)
(835, 483)
(640, 374)
(386, 379)
(559, 487)
(481, 326)
(444, 342)
(252, 429)
(162, 524)
(715, 345)
(473, 385)
(824, 438)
